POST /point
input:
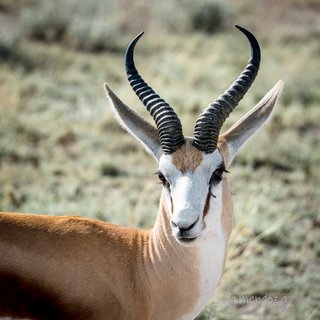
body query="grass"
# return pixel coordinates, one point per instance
(61, 151)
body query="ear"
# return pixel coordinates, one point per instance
(239, 133)
(146, 133)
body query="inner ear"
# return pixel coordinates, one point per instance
(141, 129)
(230, 142)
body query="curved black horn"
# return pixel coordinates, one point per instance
(167, 121)
(210, 121)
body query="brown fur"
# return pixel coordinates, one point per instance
(187, 157)
(67, 259)
(76, 268)
(223, 149)
(227, 209)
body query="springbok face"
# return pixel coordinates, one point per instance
(191, 169)
(191, 181)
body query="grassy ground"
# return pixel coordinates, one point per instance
(61, 151)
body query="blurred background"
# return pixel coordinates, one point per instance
(62, 152)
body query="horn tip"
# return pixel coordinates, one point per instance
(129, 63)
(255, 48)
(243, 30)
(237, 26)
(138, 36)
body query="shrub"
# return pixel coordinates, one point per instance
(98, 25)
(209, 16)
(46, 20)
(88, 25)
(204, 15)
(9, 41)
(100, 33)
(12, 49)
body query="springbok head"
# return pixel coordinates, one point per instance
(191, 168)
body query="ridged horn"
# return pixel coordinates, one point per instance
(210, 121)
(167, 121)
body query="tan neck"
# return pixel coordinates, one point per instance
(171, 269)
(175, 272)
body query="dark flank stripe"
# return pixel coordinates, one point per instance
(22, 298)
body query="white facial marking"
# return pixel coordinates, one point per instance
(187, 194)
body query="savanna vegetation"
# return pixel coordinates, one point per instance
(62, 152)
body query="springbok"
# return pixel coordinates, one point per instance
(75, 268)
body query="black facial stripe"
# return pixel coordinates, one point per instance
(207, 204)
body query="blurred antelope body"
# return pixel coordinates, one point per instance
(75, 268)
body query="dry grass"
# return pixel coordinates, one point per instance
(61, 151)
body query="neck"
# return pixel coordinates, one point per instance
(172, 271)
(183, 276)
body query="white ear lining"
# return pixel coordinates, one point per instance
(141, 129)
(250, 123)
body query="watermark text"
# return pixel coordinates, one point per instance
(266, 298)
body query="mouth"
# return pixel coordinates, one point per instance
(186, 240)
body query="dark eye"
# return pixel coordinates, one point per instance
(216, 176)
(162, 179)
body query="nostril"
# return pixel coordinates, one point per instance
(184, 229)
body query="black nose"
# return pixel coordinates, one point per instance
(184, 228)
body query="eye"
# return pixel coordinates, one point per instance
(216, 176)
(162, 178)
